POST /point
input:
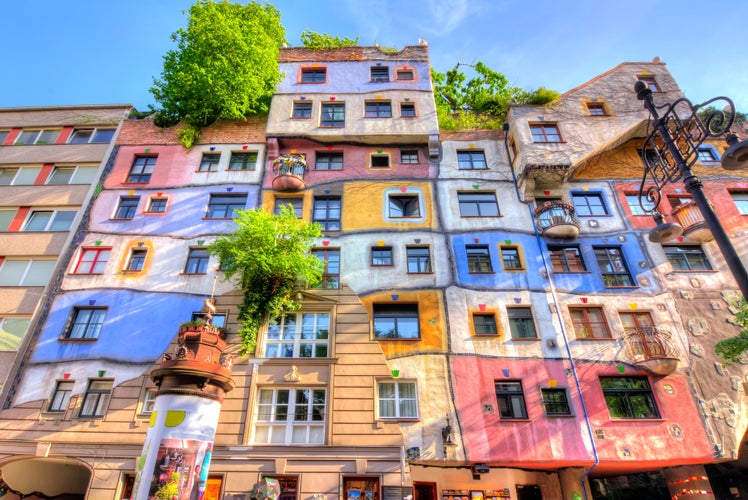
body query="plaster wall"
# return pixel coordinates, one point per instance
(51, 116)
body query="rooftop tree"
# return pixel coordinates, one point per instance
(225, 65)
(323, 41)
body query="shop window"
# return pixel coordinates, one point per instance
(361, 488)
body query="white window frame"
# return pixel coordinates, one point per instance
(77, 169)
(398, 401)
(148, 401)
(52, 219)
(25, 274)
(280, 341)
(94, 132)
(39, 134)
(297, 425)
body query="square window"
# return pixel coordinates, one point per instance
(589, 323)
(478, 259)
(485, 324)
(396, 321)
(555, 402)
(407, 110)
(650, 82)
(328, 161)
(478, 204)
(136, 260)
(708, 155)
(397, 400)
(60, 399)
(629, 398)
(380, 74)
(511, 400)
(639, 206)
(197, 261)
(49, 220)
(302, 110)
(566, 259)
(149, 401)
(379, 161)
(296, 204)
(157, 205)
(290, 416)
(405, 75)
(141, 170)
(331, 271)
(333, 115)
(209, 162)
(223, 206)
(402, 206)
(243, 160)
(92, 260)
(596, 109)
(521, 323)
(408, 156)
(546, 132)
(381, 256)
(96, 399)
(510, 258)
(471, 160)
(419, 259)
(687, 258)
(327, 213)
(740, 199)
(636, 322)
(298, 335)
(86, 323)
(588, 204)
(613, 267)
(127, 207)
(378, 109)
(313, 75)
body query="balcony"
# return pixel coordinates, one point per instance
(652, 348)
(289, 173)
(555, 219)
(690, 219)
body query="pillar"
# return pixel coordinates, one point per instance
(572, 480)
(688, 482)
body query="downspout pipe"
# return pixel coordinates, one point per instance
(554, 297)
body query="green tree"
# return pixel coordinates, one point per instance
(323, 41)
(270, 256)
(225, 65)
(732, 349)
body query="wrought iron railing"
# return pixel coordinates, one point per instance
(555, 213)
(649, 343)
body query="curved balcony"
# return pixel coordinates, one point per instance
(653, 349)
(556, 219)
(289, 173)
(690, 219)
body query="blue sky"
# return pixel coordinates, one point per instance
(108, 51)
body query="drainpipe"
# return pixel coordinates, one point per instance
(554, 297)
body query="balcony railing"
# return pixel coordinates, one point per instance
(652, 348)
(556, 219)
(289, 172)
(690, 219)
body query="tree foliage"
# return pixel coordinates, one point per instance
(481, 101)
(323, 41)
(733, 348)
(705, 113)
(270, 255)
(225, 65)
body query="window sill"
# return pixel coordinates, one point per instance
(513, 270)
(593, 339)
(332, 126)
(301, 117)
(397, 419)
(593, 215)
(382, 265)
(484, 336)
(86, 274)
(154, 213)
(137, 183)
(638, 420)
(510, 420)
(559, 416)
(241, 170)
(525, 339)
(397, 339)
(694, 271)
(622, 287)
(572, 272)
(549, 142)
(218, 218)
(206, 171)
(408, 117)
(132, 271)
(299, 361)
(193, 274)
(376, 117)
(481, 272)
(469, 169)
(418, 272)
(121, 218)
(82, 339)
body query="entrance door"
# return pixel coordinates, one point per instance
(424, 491)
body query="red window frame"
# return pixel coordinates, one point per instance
(97, 251)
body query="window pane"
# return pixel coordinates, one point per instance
(61, 175)
(84, 175)
(38, 221)
(62, 221)
(27, 176)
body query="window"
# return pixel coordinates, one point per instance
(629, 397)
(328, 161)
(12, 331)
(650, 82)
(405, 74)
(96, 398)
(70, 175)
(687, 258)
(331, 272)
(637, 208)
(333, 115)
(589, 323)
(313, 75)
(368, 486)
(407, 110)
(510, 259)
(676, 200)
(137, 259)
(485, 324)
(296, 205)
(377, 109)
(127, 207)
(197, 261)
(638, 321)
(92, 260)
(566, 259)
(589, 204)
(555, 402)
(707, 154)
(142, 168)
(6, 218)
(290, 416)
(86, 323)
(511, 400)
(37, 137)
(8, 175)
(396, 321)
(31, 272)
(521, 323)
(404, 206)
(222, 206)
(408, 156)
(61, 396)
(419, 259)
(381, 256)
(243, 161)
(149, 401)
(289, 486)
(209, 162)
(91, 135)
(379, 161)
(596, 109)
(157, 205)
(471, 160)
(740, 198)
(298, 335)
(3, 136)
(478, 204)
(49, 220)
(380, 74)
(478, 259)
(613, 267)
(302, 110)
(218, 319)
(397, 400)
(546, 132)
(327, 213)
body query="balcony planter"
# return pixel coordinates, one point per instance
(556, 219)
(289, 173)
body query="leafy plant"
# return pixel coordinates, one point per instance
(225, 65)
(323, 41)
(170, 489)
(733, 349)
(270, 255)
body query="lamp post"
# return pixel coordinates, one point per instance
(672, 147)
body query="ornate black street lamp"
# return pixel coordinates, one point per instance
(670, 150)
